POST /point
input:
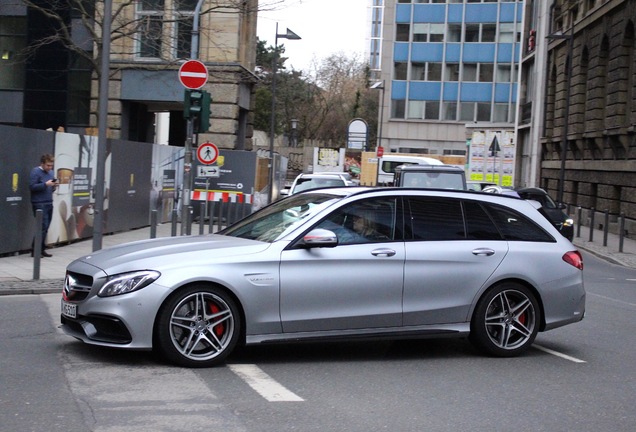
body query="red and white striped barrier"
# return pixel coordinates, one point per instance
(235, 197)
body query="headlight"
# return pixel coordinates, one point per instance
(128, 282)
(568, 222)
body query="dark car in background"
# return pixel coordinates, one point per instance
(555, 214)
(430, 177)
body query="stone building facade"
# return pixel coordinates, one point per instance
(599, 116)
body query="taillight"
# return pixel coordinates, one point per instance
(574, 258)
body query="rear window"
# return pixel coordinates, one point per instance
(515, 226)
(303, 184)
(436, 219)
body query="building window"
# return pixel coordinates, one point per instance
(397, 108)
(480, 32)
(452, 72)
(426, 71)
(483, 111)
(432, 110)
(481, 72)
(471, 33)
(503, 73)
(486, 72)
(501, 113)
(400, 70)
(79, 91)
(507, 33)
(402, 32)
(467, 111)
(184, 24)
(454, 33)
(165, 28)
(470, 72)
(416, 110)
(150, 16)
(12, 42)
(425, 32)
(450, 111)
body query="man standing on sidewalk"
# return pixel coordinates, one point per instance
(42, 183)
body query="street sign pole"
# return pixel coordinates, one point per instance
(187, 157)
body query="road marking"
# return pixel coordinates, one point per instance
(264, 385)
(558, 354)
(611, 299)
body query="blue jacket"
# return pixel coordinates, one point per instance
(40, 192)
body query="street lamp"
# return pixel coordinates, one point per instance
(272, 122)
(566, 109)
(294, 131)
(380, 85)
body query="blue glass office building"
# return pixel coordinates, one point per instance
(450, 66)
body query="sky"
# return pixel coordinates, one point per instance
(325, 26)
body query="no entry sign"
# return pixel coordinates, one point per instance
(193, 74)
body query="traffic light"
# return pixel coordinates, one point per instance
(204, 115)
(196, 106)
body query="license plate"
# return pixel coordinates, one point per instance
(69, 309)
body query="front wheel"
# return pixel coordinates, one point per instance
(198, 327)
(506, 321)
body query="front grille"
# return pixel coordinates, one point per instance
(77, 286)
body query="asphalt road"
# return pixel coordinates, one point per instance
(579, 377)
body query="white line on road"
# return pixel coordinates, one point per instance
(558, 354)
(265, 385)
(610, 299)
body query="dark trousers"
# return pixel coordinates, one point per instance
(47, 215)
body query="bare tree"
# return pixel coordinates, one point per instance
(77, 25)
(340, 93)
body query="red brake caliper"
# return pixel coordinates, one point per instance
(219, 328)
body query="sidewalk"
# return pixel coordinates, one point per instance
(16, 272)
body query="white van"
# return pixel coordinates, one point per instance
(387, 164)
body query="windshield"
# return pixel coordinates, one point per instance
(303, 184)
(278, 219)
(433, 180)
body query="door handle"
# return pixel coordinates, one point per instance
(483, 252)
(383, 252)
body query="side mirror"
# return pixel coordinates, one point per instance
(319, 238)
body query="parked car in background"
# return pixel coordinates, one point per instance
(305, 182)
(560, 219)
(334, 264)
(430, 177)
(478, 186)
(388, 163)
(500, 190)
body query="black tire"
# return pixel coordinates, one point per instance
(199, 326)
(506, 320)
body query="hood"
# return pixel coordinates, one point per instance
(170, 251)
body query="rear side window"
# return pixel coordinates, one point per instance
(479, 225)
(515, 226)
(436, 219)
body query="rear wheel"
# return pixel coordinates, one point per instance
(198, 327)
(506, 320)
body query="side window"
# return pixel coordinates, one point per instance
(435, 219)
(479, 225)
(368, 221)
(515, 226)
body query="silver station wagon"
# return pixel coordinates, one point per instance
(335, 263)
